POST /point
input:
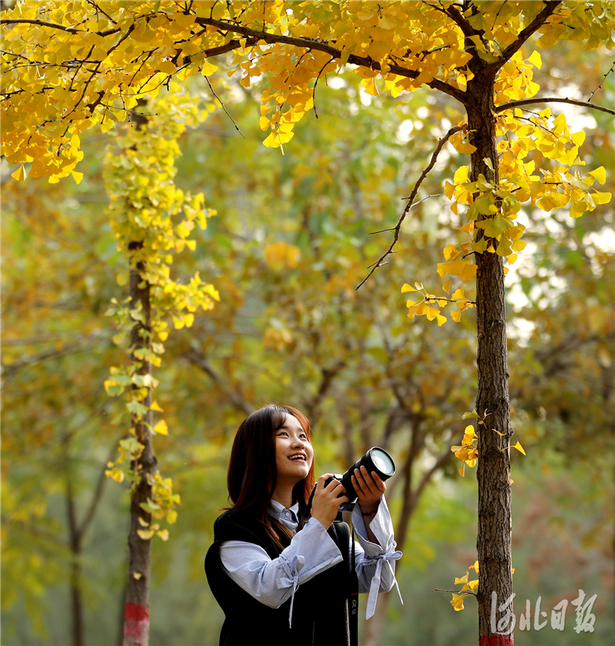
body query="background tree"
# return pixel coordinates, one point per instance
(468, 49)
(151, 219)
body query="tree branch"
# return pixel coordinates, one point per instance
(10, 370)
(306, 43)
(536, 24)
(328, 375)
(199, 360)
(224, 107)
(439, 464)
(52, 25)
(397, 228)
(96, 498)
(583, 104)
(601, 82)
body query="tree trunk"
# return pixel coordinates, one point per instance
(75, 567)
(373, 629)
(492, 402)
(136, 614)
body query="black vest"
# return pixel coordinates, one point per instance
(320, 607)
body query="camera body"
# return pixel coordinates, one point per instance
(376, 459)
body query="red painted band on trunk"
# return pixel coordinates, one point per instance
(495, 640)
(135, 612)
(136, 624)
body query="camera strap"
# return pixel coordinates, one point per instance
(353, 597)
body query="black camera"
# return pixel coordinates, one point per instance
(376, 459)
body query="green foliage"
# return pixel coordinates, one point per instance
(286, 253)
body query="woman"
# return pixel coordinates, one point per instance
(278, 563)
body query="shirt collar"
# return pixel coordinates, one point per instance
(277, 509)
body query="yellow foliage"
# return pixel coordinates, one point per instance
(281, 255)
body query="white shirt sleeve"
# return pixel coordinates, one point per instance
(375, 562)
(274, 581)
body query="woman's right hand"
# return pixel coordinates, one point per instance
(327, 500)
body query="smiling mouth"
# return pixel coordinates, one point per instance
(298, 458)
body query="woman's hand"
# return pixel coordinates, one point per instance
(370, 488)
(327, 500)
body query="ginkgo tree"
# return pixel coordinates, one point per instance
(152, 221)
(68, 66)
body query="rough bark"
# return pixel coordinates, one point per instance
(492, 402)
(136, 614)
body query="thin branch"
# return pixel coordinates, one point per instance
(523, 36)
(96, 497)
(315, 84)
(430, 299)
(583, 104)
(97, 8)
(52, 25)
(410, 204)
(224, 107)
(602, 82)
(39, 23)
(236, 398)
(441, 461)
(11, 370)
(373, 233)
(498, 14)
(465, 593)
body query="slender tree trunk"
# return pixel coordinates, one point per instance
(121, 611)
(75, 568)
(411, 496)
(136, 615)
(373, 629)
(492, 402)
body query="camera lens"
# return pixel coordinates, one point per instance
(382, 462)
(376, 459)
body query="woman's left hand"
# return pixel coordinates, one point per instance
(370, 488)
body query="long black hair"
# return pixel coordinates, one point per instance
(252, 473)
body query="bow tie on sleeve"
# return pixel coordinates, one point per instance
(386, 557)
(292, 570)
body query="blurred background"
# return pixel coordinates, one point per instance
(292, 240)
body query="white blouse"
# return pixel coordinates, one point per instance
(312, 550)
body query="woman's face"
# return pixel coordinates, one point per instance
(293, 452)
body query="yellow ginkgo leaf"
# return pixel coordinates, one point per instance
(601, 198)
(457, 602)
(20, 174)
(519, 447)
(161, 428)
(208, 68)
(535, 59)
(461, 175)
(599, 174)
